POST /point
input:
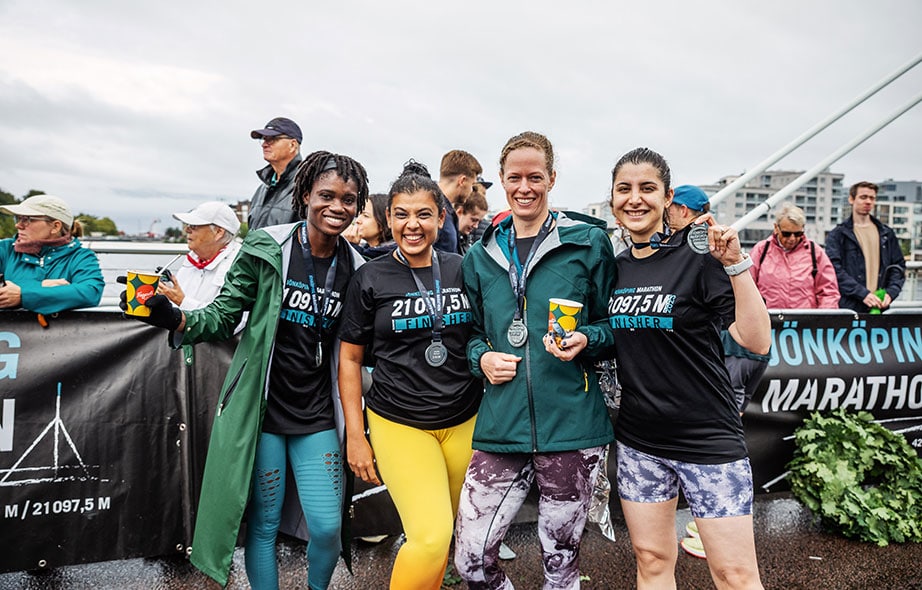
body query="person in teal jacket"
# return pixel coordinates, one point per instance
(280, 401)
(45, 269)
(543, 417)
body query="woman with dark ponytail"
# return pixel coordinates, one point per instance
(279, 404)
(409, 307)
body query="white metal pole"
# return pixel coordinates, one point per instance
(804, 178)
(808, 134)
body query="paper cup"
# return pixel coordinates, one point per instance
(563, 317)
(142, 285)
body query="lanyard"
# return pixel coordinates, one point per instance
(327, 285)
(518, 280)
(433, 304)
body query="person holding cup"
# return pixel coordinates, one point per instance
(542, 418)
(279, 404)
(408, 308)
(672, 297)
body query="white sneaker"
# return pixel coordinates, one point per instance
(693, 546)
(505, 552)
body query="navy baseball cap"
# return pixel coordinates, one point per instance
(691, 196)
(485, 183)
(278, 126)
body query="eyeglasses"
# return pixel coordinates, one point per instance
(270, 140)
(788, 234)
(27, 219)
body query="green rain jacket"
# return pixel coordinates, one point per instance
(254, 283)
(550, 405)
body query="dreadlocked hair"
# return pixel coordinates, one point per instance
(319, 163)
(414, 178)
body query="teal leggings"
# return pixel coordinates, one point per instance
(317, 465)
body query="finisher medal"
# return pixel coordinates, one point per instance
(517, 334)
(436, 354)
(318, 355)
(697, 239)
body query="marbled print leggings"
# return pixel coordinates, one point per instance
(494, 489)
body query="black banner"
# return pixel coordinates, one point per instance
(104, 429)
(90, 460)
(824, 362)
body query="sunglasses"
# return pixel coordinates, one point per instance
(788, 234)
(27, 219)
(273, 139)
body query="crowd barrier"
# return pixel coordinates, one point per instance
(104, 428)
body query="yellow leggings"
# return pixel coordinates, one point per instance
(423, 471)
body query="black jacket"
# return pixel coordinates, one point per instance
(271, 205)
(846, 256)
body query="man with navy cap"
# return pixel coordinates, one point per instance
(281, 145)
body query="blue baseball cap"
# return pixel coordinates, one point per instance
(691, 196)
(278, 126)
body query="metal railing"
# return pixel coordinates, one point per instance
(114, 258)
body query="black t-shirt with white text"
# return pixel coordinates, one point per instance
(667, 311)
(300, 399)
(384, 309)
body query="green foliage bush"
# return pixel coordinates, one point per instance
(861, 479)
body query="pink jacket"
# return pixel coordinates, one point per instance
(785, 278)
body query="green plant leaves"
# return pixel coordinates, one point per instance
(860, 478)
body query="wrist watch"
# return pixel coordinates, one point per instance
(740, 267)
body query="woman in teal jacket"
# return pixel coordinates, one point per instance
(542, 416)
(279, 402)
(45, 268)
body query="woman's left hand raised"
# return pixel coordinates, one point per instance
(723, 241)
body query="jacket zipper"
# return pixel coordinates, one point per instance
(531, 396)
(231, 387)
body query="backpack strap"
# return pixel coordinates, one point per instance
(813, 256)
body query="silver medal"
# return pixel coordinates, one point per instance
(436, 354)
(517, 334)
(697, 239)
(318, 355)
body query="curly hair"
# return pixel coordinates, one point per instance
(319, 163)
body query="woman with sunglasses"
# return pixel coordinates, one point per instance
(681, 426)
(409, 309)
(44, 267)
(791, 270)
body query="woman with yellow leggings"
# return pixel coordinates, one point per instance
(409, 309)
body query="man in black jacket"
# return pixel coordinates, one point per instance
(281, 145)
(869, 264)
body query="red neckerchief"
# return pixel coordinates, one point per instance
(201, 264)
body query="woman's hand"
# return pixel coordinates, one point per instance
(723, 241)
(499, 367)
(174, 293)
(10, 295)
(571, 345)
(55, 282)
(362, 459)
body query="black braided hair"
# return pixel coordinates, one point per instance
(415, 177)
(315, 165)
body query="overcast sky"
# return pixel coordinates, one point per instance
(136, 110)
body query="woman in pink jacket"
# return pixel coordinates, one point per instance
(791, 270)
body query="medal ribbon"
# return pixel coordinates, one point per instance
(518, 280)
(317, 312)
(433, 304)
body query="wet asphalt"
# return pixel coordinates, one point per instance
(794, 552)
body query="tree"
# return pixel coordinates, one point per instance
(93, 224)
(7, 227)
